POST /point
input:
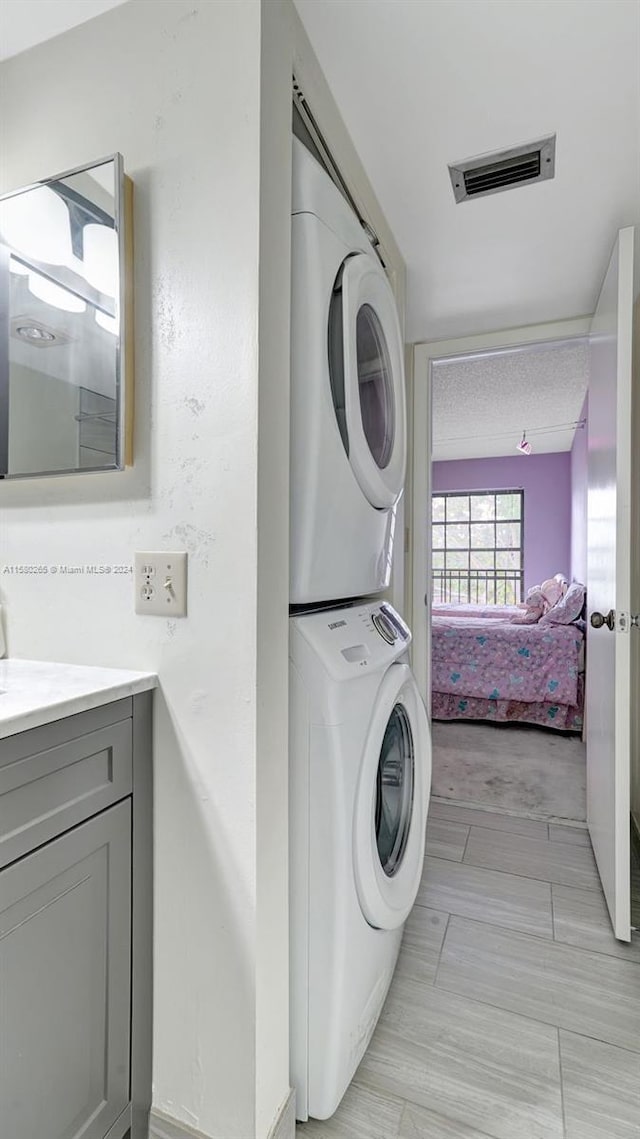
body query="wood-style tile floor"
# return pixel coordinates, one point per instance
(514, 1013)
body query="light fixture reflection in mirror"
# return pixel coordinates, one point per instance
(63, 348)
(35, 334)
(101, 258)
(54, 295)
(36, 223)
(18, 268)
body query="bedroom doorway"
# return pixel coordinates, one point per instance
(503, 509)
(449, 649)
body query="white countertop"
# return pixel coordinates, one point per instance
(35, 692)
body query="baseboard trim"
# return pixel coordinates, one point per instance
(162, 1127)
(285, 1125)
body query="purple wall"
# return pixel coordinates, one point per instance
(546, 481)
(579, 484)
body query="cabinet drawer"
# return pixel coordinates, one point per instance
(45, 793)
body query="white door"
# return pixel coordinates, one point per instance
(612, 675)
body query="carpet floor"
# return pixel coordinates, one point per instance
(514, 768)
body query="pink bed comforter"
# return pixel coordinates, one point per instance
(492, 659)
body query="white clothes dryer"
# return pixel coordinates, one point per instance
(360, 776)
(348, 414)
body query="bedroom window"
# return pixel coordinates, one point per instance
(478, 553)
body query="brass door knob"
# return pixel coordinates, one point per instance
(598, 620)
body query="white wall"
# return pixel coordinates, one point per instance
(175, 86)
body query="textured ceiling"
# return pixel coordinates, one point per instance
(25, 23)
(421, 83)
(481, 405)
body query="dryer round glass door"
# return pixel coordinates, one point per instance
(391, 802)
(375, 385)
(366, 366)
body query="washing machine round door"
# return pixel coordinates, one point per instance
(367, 355)
(392, 801)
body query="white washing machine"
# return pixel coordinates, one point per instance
(348, 414)
(360, 776)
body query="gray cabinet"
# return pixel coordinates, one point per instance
(74, 981)
(65, 930)
(48, 784)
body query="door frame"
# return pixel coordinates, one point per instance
(418, 489)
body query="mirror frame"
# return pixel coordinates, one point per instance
(123, 221)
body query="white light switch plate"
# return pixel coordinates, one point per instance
(161, 583)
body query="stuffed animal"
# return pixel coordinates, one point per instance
(540, 599)
(561, 579)
(552, 591)
(534, 608)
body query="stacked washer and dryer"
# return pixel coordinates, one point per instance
(360, 761)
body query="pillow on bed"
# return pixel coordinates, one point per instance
(568, 608)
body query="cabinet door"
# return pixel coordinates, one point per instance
(65, 951)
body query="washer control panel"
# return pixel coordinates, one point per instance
(363, 637)
(384, 627)
(401, 628)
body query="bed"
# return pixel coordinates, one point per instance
(468, 609)
(486, 668)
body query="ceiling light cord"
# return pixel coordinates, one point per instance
(577, 423)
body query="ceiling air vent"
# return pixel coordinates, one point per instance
(492, 173)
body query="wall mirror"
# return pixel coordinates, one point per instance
(66, 378)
